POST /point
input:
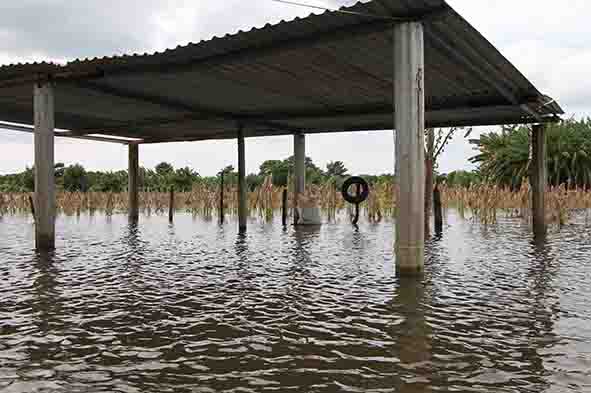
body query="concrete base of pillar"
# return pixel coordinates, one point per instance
(309, 216)
(410, 261)
(45, 242)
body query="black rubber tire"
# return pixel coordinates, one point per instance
(355, 199)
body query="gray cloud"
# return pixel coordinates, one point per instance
(549, 43)
(63, 29)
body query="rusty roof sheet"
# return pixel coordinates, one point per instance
(327, 72)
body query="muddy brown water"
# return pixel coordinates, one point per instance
(195, 307)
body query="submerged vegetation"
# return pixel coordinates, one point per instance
(482, 203)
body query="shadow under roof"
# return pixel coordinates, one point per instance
(330, 72)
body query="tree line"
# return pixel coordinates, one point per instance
(76, 178)
(503, 157)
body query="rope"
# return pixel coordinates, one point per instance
(340, 11)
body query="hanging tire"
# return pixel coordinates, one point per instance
(355, 199)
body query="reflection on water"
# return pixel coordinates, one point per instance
(196, 307)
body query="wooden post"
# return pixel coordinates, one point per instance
(44, 167)
(299, 156)
(31, 205)
(133, 186)
(221, 197)
(409, 123)
(539, 179)
(171, 205)
(357, 193)
(437, 210)
(243, 196)
(284, 208)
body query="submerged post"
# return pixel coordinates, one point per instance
(299, 156)
(539, 179)
(437, 210)
(171, 205)
(242, 191)
(221, 197)
(133, 185)
(284, 207)
(409, 123)
(44, 163)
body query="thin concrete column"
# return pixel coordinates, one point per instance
(242, 188)
(409, 123)
(44, 167)
(299, 157)
(133, 185)
(539, 179)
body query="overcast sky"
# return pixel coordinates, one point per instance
(549, 43)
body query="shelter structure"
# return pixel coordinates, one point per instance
(380, 65)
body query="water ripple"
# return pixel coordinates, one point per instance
(194, 307)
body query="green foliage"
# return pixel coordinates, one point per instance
(59, 170)
(27, 181)
(336, 168)
(164, 175)
(279, 171)
(183, 179)
(164, 169)
(504, 157)
(460, 178)
(253, 181)
(21, 182)
(75, 178)
(107, 181)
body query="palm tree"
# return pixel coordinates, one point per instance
(504, 158)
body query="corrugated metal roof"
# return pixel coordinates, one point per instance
(324, 73)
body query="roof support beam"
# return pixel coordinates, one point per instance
(285, 117)
(457, 57)
(64, 134)
(194, 112)
(386, 125)
(484, 75)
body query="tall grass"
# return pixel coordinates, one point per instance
(483, 203)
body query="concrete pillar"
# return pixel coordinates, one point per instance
(409, 122)
(539, 179)
(44, 167)
(242, 188)
(133, 185)
(299, 176)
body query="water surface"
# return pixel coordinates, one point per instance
(195, 307)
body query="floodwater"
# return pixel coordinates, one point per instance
(194, 307)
